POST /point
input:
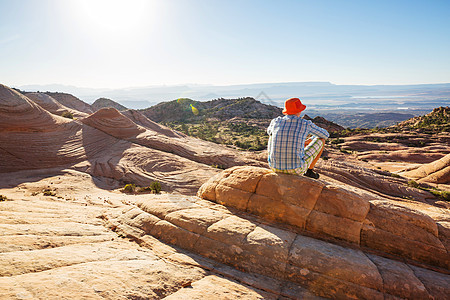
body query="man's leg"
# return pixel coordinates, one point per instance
(312, 154)
(316, 159)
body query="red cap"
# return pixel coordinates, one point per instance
(293, 106)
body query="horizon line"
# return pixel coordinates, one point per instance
(219, 85)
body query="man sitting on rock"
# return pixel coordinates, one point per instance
(290, 149)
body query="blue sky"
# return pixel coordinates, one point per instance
(115, 44)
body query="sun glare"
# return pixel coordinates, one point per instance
(116, 15)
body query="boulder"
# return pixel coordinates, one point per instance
(329, 211)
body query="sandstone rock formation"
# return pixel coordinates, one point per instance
(327, 210)
(54, 248)
(67, 232)
(302, 266)
(105, 103)
(377, 183)
(111, 121)
(435, 172)
(399, 147)
(107, 144)
(50, 104)
(71, 101)
(145, 122)
(52, 141)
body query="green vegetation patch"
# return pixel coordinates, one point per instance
(239, 134)
(444, 195)
(67, 114)
(48, 192)
(130, 188)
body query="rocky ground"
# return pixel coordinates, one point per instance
(361, 231)
(85, 242)
(59, 247)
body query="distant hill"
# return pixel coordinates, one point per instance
(367, 120)
(239, 122)
(324, 123)
(105, 102)
(436, 121)
(187, 110)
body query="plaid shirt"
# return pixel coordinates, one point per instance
(287, 141)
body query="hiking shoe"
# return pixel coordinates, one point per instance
(312, 174)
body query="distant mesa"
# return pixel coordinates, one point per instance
(105, 103)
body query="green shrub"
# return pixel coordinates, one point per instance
(337, 141)
(414, 184)
(48, 192)
(395, 175)
(345, 151)
(67, 114)
(3, 198)
(129, 188)
(444, 195)
(156, 187)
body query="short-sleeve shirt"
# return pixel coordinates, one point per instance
(287, 141)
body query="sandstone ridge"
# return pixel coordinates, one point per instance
(435, 172)
(50, 104)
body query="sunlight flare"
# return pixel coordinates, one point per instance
(116, 15)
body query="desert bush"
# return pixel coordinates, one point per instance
(48, 192)
(345, 151)
(67, 114)
(413, 183)
(129, 188)
(156, 187)
(395, 175)
(444, 195)
(3, 198)
(337, 141)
